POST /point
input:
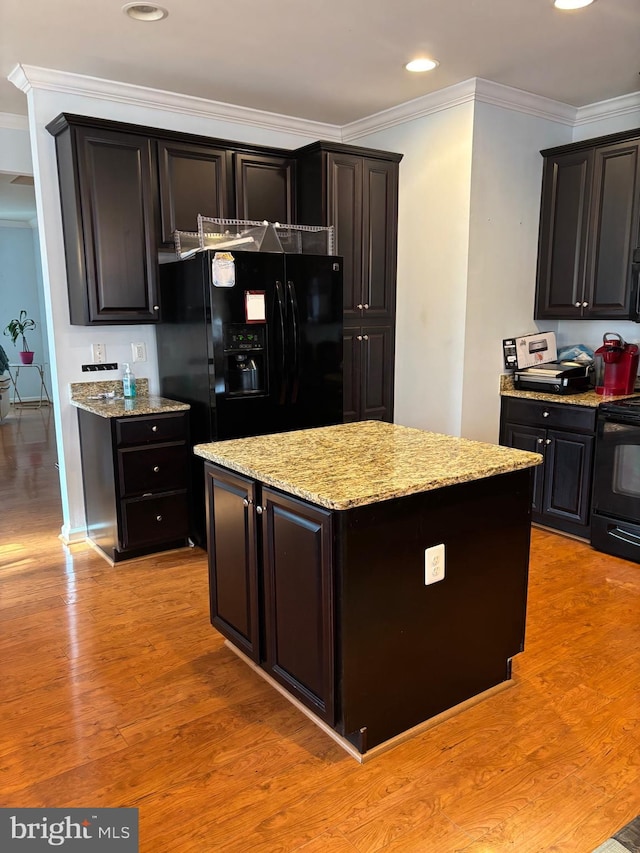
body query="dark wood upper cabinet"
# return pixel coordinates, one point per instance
(193, 179)
(107, 194)
(589, 228)
(265, 187)
(356, 191)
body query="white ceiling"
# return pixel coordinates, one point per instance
(333, 61)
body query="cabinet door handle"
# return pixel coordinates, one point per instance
(260, 509)
(158, 518)
(360, 306)
(545, 414)
(156, 307)
(246, 501)
(154, 428)
(541, 441)
(547, 441)
(366, 305)
(585, 304)
(578, 304)
(365, 337)
(156, 468)
(358, 337)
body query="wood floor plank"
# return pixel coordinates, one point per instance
(116, 690)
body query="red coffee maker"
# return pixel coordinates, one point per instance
(616, 365)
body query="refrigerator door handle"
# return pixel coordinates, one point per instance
(280, 301)
(295, 327)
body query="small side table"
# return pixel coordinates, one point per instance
(14, 373)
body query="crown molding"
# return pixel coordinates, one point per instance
(510, 98)
(10, 121)
(605, 110)
(474, 89)
(28, 77)
(443, 99)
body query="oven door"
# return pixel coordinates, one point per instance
(616, 487)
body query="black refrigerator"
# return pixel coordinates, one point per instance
(253, 342)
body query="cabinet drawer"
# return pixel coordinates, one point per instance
(151, 520)
(549, 415)
(156, 468)
(140, 430)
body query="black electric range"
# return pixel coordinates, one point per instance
(628, 410)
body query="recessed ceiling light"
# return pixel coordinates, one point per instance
(422, 64)
(144, 12)
(571, 4)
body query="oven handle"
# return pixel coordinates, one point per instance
(624, 536)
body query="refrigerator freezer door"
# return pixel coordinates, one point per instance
(314, 341)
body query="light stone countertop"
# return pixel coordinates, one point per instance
(84, 394)
(584, 398)
(361, 463)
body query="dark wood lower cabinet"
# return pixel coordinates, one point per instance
(368, 366)
(562, 484)
(298, 599)
(338, 612)
(136, 489)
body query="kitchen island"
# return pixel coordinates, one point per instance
(377, 574)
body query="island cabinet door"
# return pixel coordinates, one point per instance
(233, 575)
(298, 593)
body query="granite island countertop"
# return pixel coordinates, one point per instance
(94, 397)
(355, 464)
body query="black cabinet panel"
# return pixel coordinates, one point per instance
(568, 464)
(233, 579)
(589, 228)
(265, 187)
(298, 583)
(565, 436)
(152, 520)
(107, 194)
(531, 439)
(356, 191)
(193, 179)
(368, 365)
(154, 468)
(136, 496)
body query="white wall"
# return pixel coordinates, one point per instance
(506, 179)
(433, 235)
(468, 230)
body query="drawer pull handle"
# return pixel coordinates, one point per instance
(545, 414)
(154, 428)
(158, 518)
(156, 468)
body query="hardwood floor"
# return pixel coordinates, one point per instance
(116, 691)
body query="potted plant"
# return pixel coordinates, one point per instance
(16, 329)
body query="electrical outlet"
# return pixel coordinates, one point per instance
(434, 564)
(98, 353)
(138, 352)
